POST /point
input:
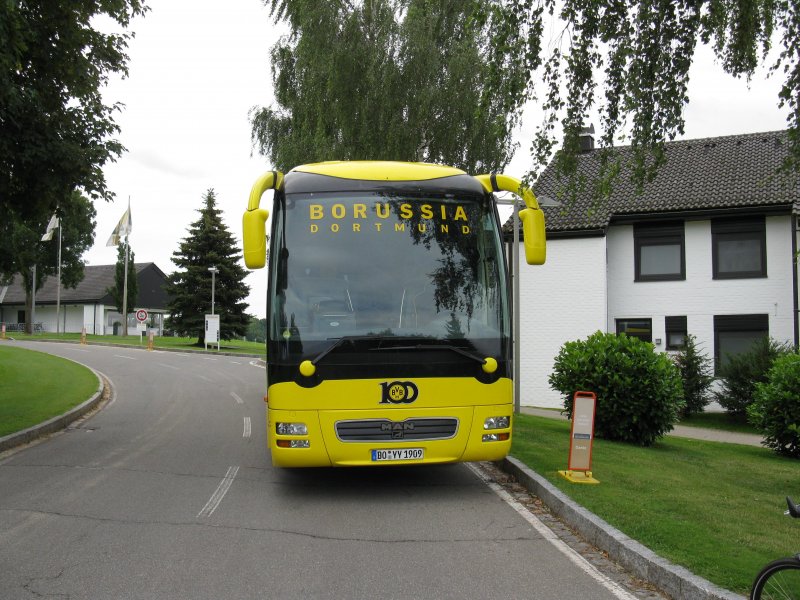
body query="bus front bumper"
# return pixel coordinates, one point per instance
(388, 436)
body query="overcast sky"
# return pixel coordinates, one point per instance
(198, 66)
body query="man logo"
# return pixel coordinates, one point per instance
(398, 392)
(397, 430)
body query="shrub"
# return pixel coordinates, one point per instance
(696, 374)
(639, 392)
(742, 372)
(775, 410)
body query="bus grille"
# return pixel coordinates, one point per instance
(384, 430)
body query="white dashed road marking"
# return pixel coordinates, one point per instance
(247, 428)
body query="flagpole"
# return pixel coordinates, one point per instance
(123, 228)
(125, 292)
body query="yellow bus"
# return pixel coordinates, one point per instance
(388, 327)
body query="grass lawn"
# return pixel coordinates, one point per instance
(254, 348)
(35, 387)
(715, 508)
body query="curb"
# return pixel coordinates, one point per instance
(57, 423)
(676, 581)
(142, 347)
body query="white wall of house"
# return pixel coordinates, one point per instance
(562, 300)
(588, 283)
(93, 318)
(699, 297)
(73, 317)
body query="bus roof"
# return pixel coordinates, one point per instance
(380, 170)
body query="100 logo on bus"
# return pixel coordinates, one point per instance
(398, 392)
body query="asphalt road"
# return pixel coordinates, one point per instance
(168, 492)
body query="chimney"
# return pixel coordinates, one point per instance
(586, 139)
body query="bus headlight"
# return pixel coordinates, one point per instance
(496, 423)
(291, 429)
(496, 437)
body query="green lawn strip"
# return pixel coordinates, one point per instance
(716, 420)
(182, 343)
(35, 387)
(716, 509)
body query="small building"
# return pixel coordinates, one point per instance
(89, 304)
(708, 248)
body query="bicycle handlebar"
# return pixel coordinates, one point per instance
(794, 509)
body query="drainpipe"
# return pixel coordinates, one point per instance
(794, 281)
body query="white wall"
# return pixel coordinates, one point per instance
(93, 318)
(577, 293)
(700, 297)
(560, 301)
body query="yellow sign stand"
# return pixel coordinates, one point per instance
(150, 342)
(578, 476)
(581, 438)
(83, 336)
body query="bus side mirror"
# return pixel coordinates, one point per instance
(254, 237)
(533, 235)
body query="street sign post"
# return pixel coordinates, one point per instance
(141, 322)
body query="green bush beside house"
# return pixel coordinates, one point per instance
(639, 390)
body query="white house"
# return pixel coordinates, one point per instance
(707, 248)
(89, 304)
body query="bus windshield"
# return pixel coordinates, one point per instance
(385, 264)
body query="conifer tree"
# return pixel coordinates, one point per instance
(209, 244)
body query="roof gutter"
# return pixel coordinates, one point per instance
(703, 213)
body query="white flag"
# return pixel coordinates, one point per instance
(122, 229)
(51, 227)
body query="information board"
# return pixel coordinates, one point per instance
(582, 436)
(212, 330)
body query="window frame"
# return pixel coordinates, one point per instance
(737, 323)
(618, 322)
(739, 230)
(660, 234)
(674, 325)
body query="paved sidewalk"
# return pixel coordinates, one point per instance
(697, 433)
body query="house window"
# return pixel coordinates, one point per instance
(735, 334)
(639, 328)
(675, 328)
(659, 252)
(739, 248)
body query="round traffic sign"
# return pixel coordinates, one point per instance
(141, 315)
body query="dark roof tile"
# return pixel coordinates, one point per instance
(96, 280)
(736, 171)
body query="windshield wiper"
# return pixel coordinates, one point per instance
(343, 340)
(455, 349)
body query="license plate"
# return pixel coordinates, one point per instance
(396, 454)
